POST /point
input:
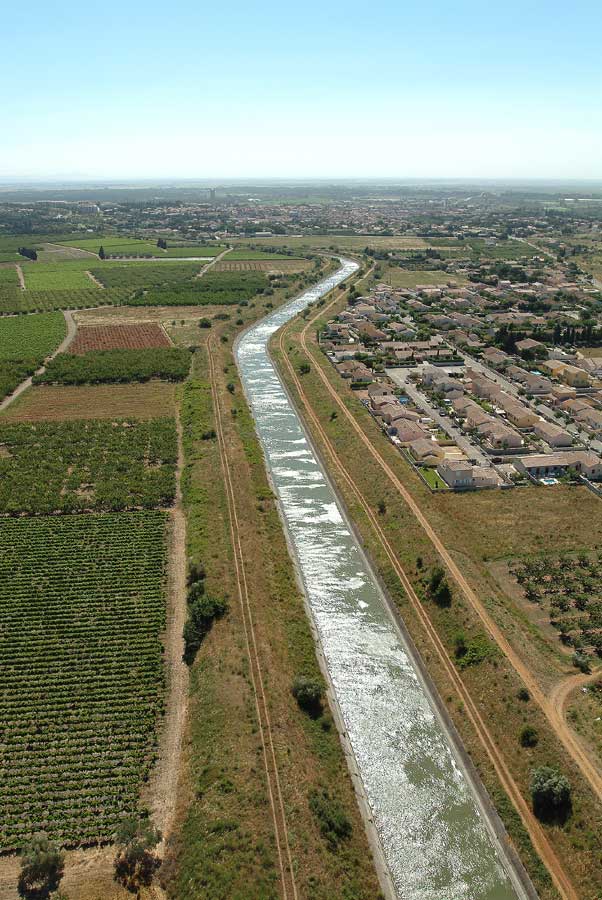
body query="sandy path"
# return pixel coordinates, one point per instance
(213, 262)
(71, 332)
(163, 785)
(21, 277)
(95, 280)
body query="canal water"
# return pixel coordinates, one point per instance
(435, 839)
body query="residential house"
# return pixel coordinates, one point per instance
(426, 452)
(552, 434)
(558, 464)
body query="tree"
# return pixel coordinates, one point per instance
(550, 793)
(528, 736)
(202, 612)
(308, 693)
(304, 369)
(135, 864)
(41, 868)
(438, 588)
(101, 253)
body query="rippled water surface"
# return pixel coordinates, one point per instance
(433, 835)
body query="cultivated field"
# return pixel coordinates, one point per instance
(31, 336)
(69, 275)
(404, 278)
(147, 400)
(103, 366)
(116, 247)
(81, 613)
(279, 264)
(112, 337)
(50, 467)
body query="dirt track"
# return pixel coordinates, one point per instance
(531, 824)
(289, 888)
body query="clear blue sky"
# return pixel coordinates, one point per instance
(443, 88)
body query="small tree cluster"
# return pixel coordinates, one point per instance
(308, 692)
(202, 612)
(162, 244)
(550, 793)
(28, 253)
(135, 863)
(438, 588)
(41, 868)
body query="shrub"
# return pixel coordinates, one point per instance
(304, 369)
(550, 793)
(308, 692)
(438, 588)
(205, 323)
(528, 736)
(581, 662)
(523, 694)
(334, 824)
(471, 651)
(135, 864)
(41, 868)
(202, 612)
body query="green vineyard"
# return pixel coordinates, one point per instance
(81, 685)
(70, 467)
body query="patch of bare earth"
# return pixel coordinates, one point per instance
(135, 336)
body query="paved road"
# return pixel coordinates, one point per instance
(71, 331)
(401, 377)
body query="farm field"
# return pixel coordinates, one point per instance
(258, 254)
(14, 300)
(31, 336)
(113, 337)
(116, 247)
(102, 366)
(81, 613)
(134, 275)
(25, 341)
(280, 264)
(214, 288)
(69, 275)
(356, 242)
(405, 278)
(8, 277)
(143, 314)
(13, 372)
(143, 400)
(68, 467)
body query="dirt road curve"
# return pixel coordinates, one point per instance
(289, 887)
(531, 824)
(71, 331)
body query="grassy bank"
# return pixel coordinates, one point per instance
(225, 845)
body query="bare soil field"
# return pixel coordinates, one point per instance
(148, 400)
(116, 337)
